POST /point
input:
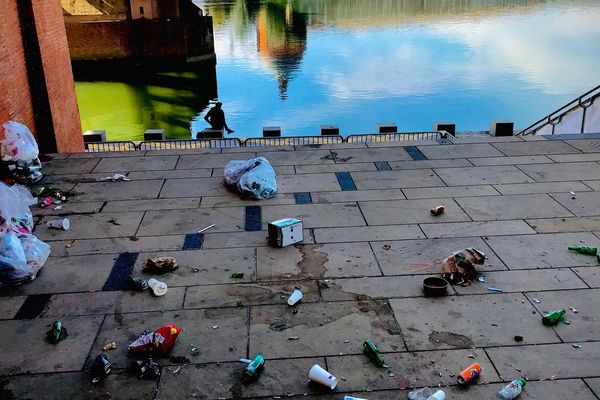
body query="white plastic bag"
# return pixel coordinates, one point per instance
(14, 208)
(13, 264)
(19, 142)
(36, 253)
(254, 178)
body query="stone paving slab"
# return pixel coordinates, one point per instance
(10, 305)
(110, 154)
(407, 257)
(279, 170)
(198, 331)
(562, 158)
(543, 251)
(322, 329)
(450, 191)
(562, 172)
(512, 207)
(421, 164)
(368, 233)
(561, 389)
(553, 225)
(469, 321)
(194, 187)
(64, 180)
(544, 361)
(543, 187)
(317, 215)
(373, 155)
(594, 384)
(66, 248)
(523, 281)
(373, 288)
(210, 160)
(170, 174)
(527, 159)
(587, 146)
(396, 179)
(103, 191)
(152, 204)
(462, 138)
(345, 167)
(234, 201)
(215, 266)
(30, 353)
(264, 293)
(409, 369)
(73, 166)
(220, 381)
(68, 209)
(593, 184)
(111, 302)
(590, 275)
(307, 183)
(301, 157)
(244, 239)
(464, 229)
(535, 148)
(460, 151)
(359, 195)
(173, 222)
(103, 225)
(126, 164)
(316, 261)
(482, 175)
(584, 324)
(411, 212)
(583, 205)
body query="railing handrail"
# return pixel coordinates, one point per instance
(580, 101)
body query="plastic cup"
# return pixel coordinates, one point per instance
(295, 297)
(424, 393)
(63, 224)
(439, 395)
(319, 375)
(158, 288)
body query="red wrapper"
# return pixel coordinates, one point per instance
(161, 340)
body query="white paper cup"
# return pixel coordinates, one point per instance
(63, 224)
(423, 393)
(319, 375)
(295, 297)
(158, 288)
(439, 395)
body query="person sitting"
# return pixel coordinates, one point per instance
(216, 118)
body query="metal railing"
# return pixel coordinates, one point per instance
(393, 137)
(570, 118)
(293, 141)
(188, 144)
(98, 147)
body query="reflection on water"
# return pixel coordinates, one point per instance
(303, 63)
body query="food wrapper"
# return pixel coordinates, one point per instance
(161, 340)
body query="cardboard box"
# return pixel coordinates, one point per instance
(284, 232)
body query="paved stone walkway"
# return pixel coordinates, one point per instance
(507, 197)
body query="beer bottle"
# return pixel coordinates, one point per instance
(589, 250)
(553, 317)
(373, 352)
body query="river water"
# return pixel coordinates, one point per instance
(300, 64)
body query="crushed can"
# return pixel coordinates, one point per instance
(553, 317)
(468, 375)
(255, 367)
(137, 284)
(144, 368)
(373, 353)
(57, 333)
(439, 210)
(101, 367)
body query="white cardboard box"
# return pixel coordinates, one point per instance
(284, 232)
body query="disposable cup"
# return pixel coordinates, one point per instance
(158, 288)
(295, 297)
(439, 395)
(63, 224)
(319, 375)
(423, 393)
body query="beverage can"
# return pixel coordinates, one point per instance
(469, 374)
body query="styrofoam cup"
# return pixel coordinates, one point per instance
(63, 224)
(319, 375)
(439, 395)
(424, 393)
(158, 288)
(295, 297)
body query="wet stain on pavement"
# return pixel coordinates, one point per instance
(313, 262)
(451, 339)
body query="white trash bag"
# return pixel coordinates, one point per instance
(14, 208)
(13, 263)
(19, 142)
(254, 178)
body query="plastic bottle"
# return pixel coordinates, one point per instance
(513, 389)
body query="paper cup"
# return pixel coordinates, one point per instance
(319, 375)
(439, 395)
(423, 393)
(158, 288)
(295, 297)
(63, 224)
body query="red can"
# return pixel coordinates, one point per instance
(469, 374)
(439, 210)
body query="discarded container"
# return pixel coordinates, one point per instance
(295, 297)
(116, 178)
(138, 284)
(57, 333)
(254, 178)
(284, 232)
(158, 288)
(373, 353)
(160, 265)
(459, 268)
(109, 346)
(439, 395)
(439, 210)
(468, 375)
(63, 224)
(426, 394)
(553, 317)
(160, 340)
(353, 398)
(589, 250)
(319, 375)
(435, 286)
(254, 368)
(101, 367)
(144, 369)
(513, 389)
(237, 275)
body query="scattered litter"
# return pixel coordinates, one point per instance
(116, 178)
(160, 265)
(237, 275)
(206, 228)
(101, 368)
(535, 300)
(435, 286)
(57, 333)
(426, 394)
(294, 338)
(63, 224)
(493, 289)
(342, 378)
(471, 373)
(160, 340)
(20, 155)
(215, 326)
(319, 375)
(109, 346)
(285, 232)
(254, 368)
(387, 247)
(567, 322)
(573, 310)
(554, 377)
(326, 283)
(589, 250)
(577, 345)
(518, 338)
(353, 398)
(459, 268)
(158, 288)
(195, 270)
(254, 178)
(347, 341)
(137, 284)
(57, 208)
(572, 195)
(439, 210)
(177, 370)
(144, 369)
(278, 326)
(472, 356)
(295, 297)
(481, 279)
(371, 350)
(513, 389)
(553, 317)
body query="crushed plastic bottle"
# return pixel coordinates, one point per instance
(513, 389)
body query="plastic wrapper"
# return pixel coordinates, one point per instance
(160, 341)
(459, 268)
(14, 209)
(36, 253)
(254, 178)
(13, 263)
(18, 142)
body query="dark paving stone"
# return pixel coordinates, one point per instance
(345, 180)
(193, 241)
(415, 153)
(383, 166)
(253, 219)
(121, 270)
(303, 198)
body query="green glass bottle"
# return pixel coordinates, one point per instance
(553, 317)
(373, 352)
(589, 250)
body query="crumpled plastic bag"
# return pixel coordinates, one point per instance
(18, 142)
(254, 178)
(459, 268)
(160, 340)
(36, 253)
(13, 263)
(14, 209)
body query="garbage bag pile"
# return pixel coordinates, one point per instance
(20, 162)
(254, 178)
(21, 253)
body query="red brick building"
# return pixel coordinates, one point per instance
(37, 86)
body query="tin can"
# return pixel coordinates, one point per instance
(57, 333)
(439, 210)
(469, 374)
(138, 284)
(254, 369)
(102, 366)
(373, 352)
